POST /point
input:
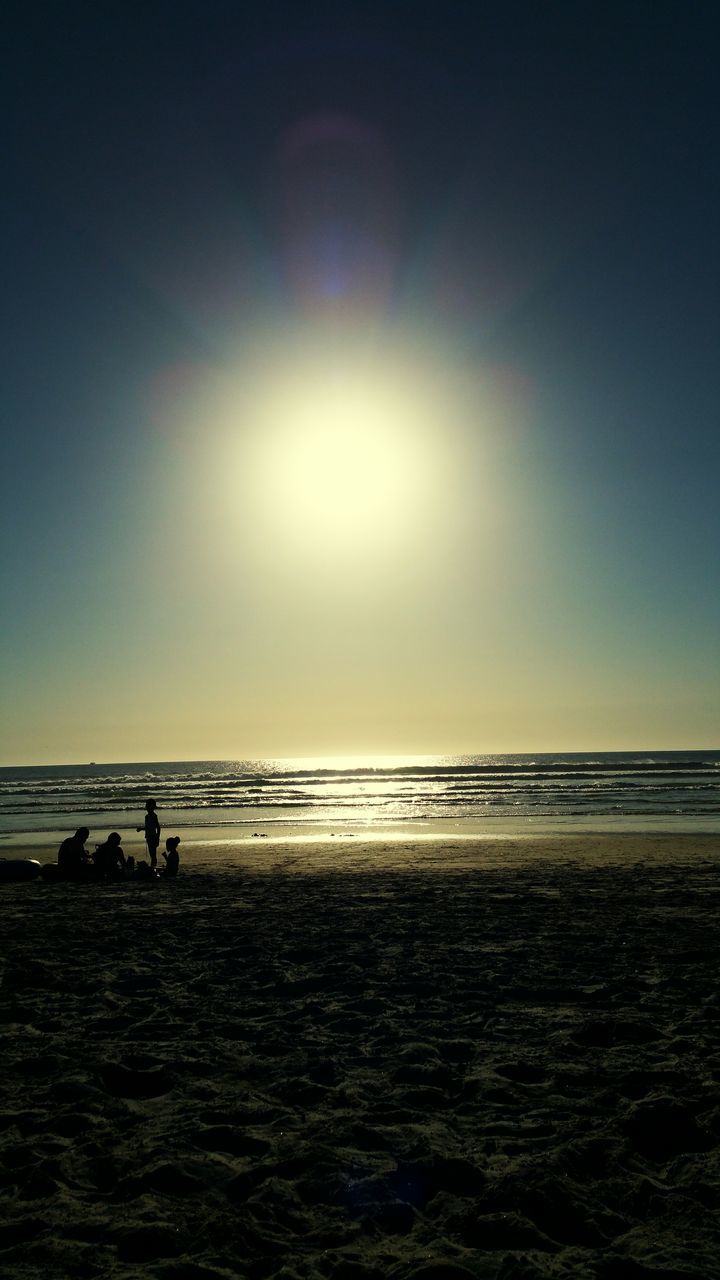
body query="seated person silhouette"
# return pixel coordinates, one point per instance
(171, 856)
(143, 871)
(73, 858)
(109, 858)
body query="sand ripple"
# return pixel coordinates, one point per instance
(502, 1073)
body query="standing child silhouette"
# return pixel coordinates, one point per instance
(152, 832)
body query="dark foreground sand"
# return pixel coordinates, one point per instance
(428, 1060)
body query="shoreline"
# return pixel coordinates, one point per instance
(420, 852)
(425, 829)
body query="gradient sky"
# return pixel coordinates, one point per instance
(360, 379)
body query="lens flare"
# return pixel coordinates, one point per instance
(336, 204)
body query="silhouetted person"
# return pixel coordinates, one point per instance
(171, 856)
(73, 857)
(152, 832)
(109, 858)
(144, 871)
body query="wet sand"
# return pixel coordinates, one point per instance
(353, 1059)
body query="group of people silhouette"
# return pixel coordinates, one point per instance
(109, 861)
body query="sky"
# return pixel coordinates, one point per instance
(360, 379)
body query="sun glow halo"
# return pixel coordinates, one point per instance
(342, 462)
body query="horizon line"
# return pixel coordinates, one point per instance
(354, 756)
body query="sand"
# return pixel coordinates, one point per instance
(367, 1059)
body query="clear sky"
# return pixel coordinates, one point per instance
(360, 379)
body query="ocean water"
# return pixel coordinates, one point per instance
(658, 789)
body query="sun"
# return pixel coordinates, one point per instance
(340, 459)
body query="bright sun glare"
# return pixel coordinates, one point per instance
(341, 461)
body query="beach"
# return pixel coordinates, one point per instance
(349, 1057)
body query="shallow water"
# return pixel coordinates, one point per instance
(668, 790)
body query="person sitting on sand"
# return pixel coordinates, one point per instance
(171, 855)
(109, 858)
(73, 858)
(143, 871)
(152, 832)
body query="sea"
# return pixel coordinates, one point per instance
(630, 790)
